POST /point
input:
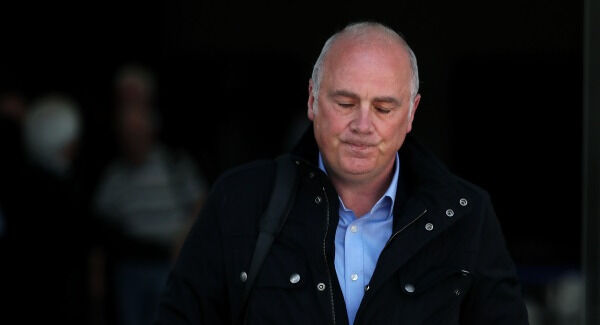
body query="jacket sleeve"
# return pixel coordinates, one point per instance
(195, 292)
(495, 297)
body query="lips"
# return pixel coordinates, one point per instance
(358, 144)
(359, 147)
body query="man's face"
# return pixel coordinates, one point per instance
(363, 112)
(136, 132)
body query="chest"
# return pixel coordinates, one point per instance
(414, 275)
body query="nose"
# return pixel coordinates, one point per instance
(361, 122)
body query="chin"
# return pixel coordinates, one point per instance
(359, 163)
(358, 170)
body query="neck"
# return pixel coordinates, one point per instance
(361, 196)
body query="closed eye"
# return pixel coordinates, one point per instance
(383, 110)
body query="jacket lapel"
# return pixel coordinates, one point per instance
(427, 203)
(422, 218)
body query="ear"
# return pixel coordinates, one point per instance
(411, 114)
(311, 101)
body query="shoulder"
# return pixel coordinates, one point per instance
(430, 173)
(471, 192)
(479, 220)
(475, 204)
(252, 175)
(242, 192)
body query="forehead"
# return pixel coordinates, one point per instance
(376, 61)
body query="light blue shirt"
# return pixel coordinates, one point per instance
(359, 241)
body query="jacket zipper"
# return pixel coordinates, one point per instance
(402, 229)
(393, 236)
(325, 255)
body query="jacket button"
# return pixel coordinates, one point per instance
(243, 276)
(409, 288)
(321, 286)
(318, 200)
(450, 213)
(297, 162)
(311, 175)
(295, 278)
(429, 226)
(463, 202)
(457, 292)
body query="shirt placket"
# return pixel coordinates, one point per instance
(354, 265)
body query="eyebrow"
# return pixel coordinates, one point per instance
(349, 94)
(344, 93)
(387, 99)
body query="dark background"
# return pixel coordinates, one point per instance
(501, 86)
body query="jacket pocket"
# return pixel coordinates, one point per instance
(282, 270)
(281, 294)
(438, 280)
(435, 296)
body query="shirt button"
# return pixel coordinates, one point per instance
(367, 288)
(409, 288)
(429, 226)
(354, 228)
(354, 277)
(295, 278)
(318, 200)
(321, 286)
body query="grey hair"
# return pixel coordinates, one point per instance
(358, 29)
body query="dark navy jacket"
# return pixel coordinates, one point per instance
(445, 263)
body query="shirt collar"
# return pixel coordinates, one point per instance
(389, 193)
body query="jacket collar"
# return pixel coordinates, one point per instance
(421, 171)
(306, 149)
(429, 200)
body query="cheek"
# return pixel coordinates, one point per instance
(330, 123)
(388, 146)
(393, 135)
(324, 133)
(328, 136)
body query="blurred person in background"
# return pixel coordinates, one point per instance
(145, 202)
(47, 226)
(12, 114)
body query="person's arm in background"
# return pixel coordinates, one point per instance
(181, 236)
(195, 292)
(193, 192)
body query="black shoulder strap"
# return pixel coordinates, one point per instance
(271, 222)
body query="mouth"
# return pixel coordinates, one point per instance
(358, 147)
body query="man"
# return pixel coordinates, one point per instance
(379, 232)
(143, 204)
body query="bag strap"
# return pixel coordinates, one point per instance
(271, 222)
